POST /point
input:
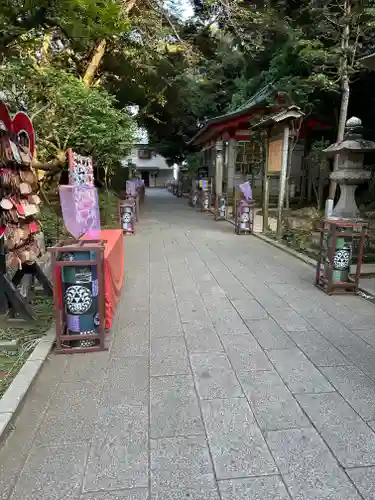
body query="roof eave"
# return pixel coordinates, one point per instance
(259, 98)
(292, 113)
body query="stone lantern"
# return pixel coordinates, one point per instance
(351, 172)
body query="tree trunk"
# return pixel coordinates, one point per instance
(345, 91)
(99, 52)
(93, 66)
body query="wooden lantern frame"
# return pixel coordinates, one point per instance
(326, 255)
(237, 222)
(128, 203)
(217, 207)
(62, 339)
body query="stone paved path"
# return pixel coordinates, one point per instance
(229, 377)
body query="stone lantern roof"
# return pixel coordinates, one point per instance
(353, 140)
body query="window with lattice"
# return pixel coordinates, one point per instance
(249, 156)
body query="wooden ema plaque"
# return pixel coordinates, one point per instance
(275, 148)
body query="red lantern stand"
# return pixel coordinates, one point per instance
(337, 239)
(95, 340)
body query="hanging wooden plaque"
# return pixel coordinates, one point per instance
(275, 148)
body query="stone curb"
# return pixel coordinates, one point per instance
(304, 258)
(290, 251)
(12, 400)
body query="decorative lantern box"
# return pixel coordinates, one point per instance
(341, 246)
(126, 216)
(244, 219)
(135, 204)
(193, 199)
(221, 207)
(205, 200)
(79, 300)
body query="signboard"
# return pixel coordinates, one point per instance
(275, 148)
(202, 172)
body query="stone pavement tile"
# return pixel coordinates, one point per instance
(244, 353)
(237, 446)
(334, 331)
(350, 439)
(286, 291)
(229, 322)
(249, 309)
(299, 374)
(165, 323)
(78, 403)
(353, 320)
(237, 293)
(290, 321)
(202, 340)
(186, 493)
(367, 335)
(132, 494)
(214, 376)
(269, 334)
(168, 357)
(127, 382)
(134, 318)
(318, 349)
(262, 488)
(355, 387)
(217, 305)
(52, 473)
(193, 314)
(272, 403)
(131, 343)
(14, 451)
(211, 289)
(174, 407)
(88, 367)
(306, 307)
(372, 424)
(182, 462)
(309, 469)
(364, 479)
(118, 456)
(362, 355)
(266, 298)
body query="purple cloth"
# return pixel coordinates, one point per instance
(246, 190)
(131, 188)
(80, 209)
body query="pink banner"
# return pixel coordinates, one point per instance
(80, 209)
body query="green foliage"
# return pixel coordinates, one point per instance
(66, 114)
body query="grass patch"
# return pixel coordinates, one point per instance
(13, 357)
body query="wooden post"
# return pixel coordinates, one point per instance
(266, 186)
(218, 175)
(282, 185)
(231, 164)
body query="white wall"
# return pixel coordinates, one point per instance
(156, 161)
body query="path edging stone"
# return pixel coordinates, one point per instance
(290, 251)
(18, 389)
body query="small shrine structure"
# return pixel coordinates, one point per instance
(231, 154)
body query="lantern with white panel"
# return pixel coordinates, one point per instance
(244, 221)
(126, 211)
